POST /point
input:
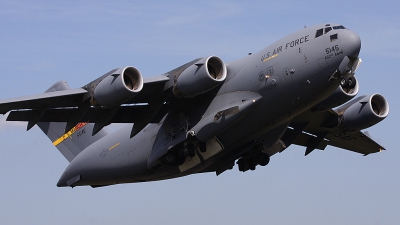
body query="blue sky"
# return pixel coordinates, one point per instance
(43, 42)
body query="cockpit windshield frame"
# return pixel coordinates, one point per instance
(327, 29)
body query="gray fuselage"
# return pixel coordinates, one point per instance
(291, 76)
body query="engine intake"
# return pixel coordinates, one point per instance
(201, 77)
(364, 112)
(117, 88)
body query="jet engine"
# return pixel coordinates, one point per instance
(340, 96)
(117, 88)
(363, 112)
(202, 76)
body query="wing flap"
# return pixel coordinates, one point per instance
(124, 114)
(305, 140)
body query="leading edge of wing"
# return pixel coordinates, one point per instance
(155, 79)
(65, 98)
(153, 88)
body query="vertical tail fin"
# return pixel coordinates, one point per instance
(70, 143)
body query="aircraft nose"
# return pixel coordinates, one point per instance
(61, 182)
(70, 176)
(352, 43)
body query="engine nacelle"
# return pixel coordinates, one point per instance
(202, 76)
(363, 112)
(338, 97)
(117, 88)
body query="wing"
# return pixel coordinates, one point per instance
(61, 104)
(64, 98)
(316, 130)
(119, 96)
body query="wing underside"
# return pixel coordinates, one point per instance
(319, 129)
(124, 114)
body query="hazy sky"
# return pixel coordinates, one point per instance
(42, 42)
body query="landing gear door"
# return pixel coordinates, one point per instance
(213, 146)
(168, 136)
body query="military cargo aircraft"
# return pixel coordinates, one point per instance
(207, 115)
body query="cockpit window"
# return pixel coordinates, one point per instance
(327, 29)
(319, 32)
(334, 37)
(338, 27)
